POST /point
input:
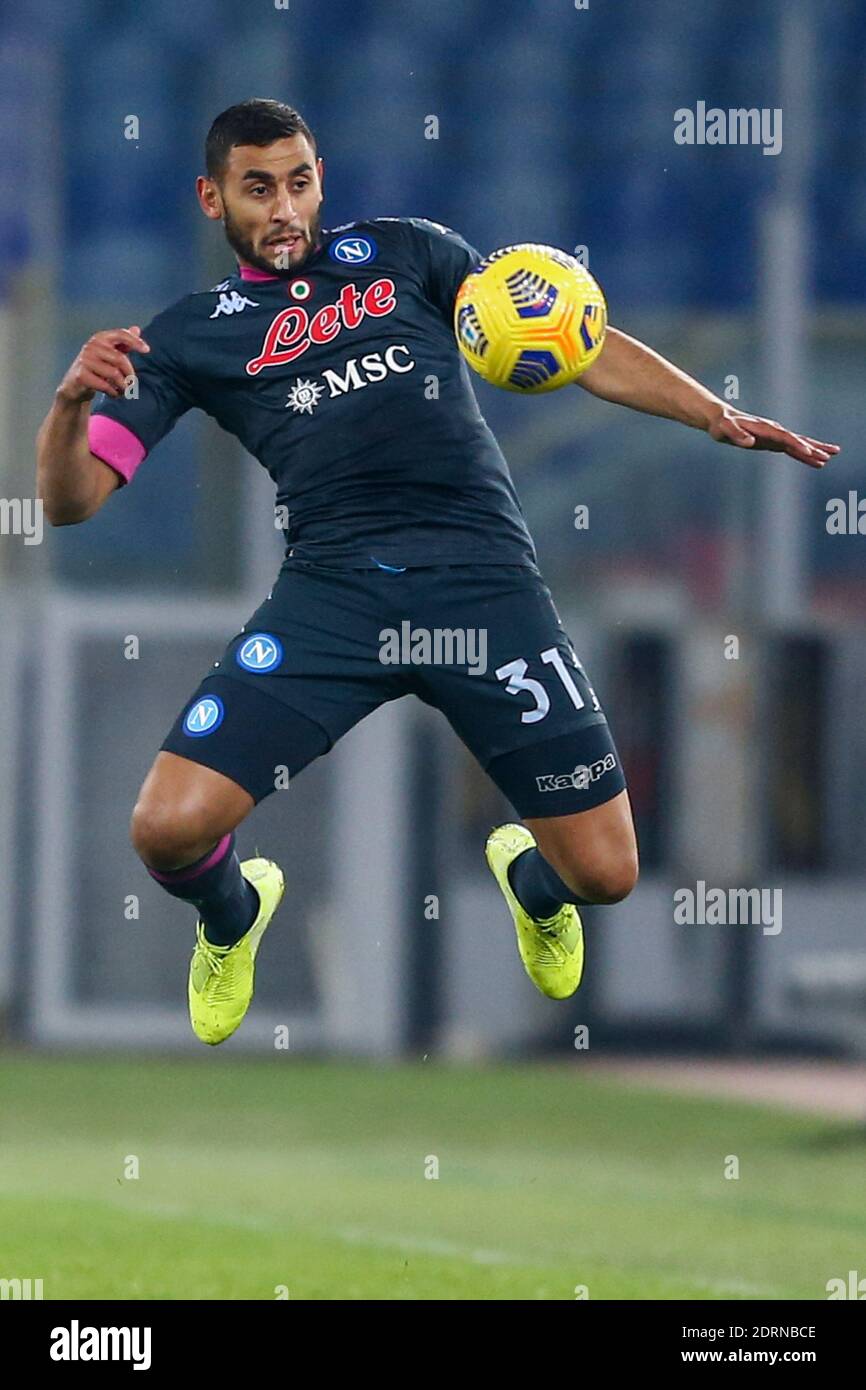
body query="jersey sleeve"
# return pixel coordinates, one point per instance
(122, 431)
(448, 259)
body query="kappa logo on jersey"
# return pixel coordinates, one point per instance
(580, 777)
(292, 331)
(205, 715)
(260, 652)
(233, 303)
(353, 250)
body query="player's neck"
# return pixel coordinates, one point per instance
(255, 274)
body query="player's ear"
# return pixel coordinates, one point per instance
(209, 198)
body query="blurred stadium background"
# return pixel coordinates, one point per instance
(746, 758)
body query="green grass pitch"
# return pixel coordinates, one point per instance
(310, 1176)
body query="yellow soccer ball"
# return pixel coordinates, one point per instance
(530, 318)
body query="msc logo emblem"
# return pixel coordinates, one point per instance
(205, 715)
(304, 397)
(260, 652)
(353, 250)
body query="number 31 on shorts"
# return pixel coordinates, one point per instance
(514, 673)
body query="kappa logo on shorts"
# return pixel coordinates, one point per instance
(205, 715)
(259, 653)
(580, 777)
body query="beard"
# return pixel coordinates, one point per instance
(244, 250)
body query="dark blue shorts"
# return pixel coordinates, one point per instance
(484, 644)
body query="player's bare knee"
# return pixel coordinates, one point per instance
(604, 881)
(612, 881)
(167, 837)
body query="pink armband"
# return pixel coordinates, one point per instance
(115, 445)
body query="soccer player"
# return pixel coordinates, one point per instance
(318, 353)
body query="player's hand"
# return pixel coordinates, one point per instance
(102, 365)
(751, 432)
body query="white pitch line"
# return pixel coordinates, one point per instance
(432, 1245)
(737, 1286)
(418, 1245)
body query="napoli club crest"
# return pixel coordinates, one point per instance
(205, 715)
(260, 653)
(353, 250)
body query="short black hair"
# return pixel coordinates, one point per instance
(256, 122)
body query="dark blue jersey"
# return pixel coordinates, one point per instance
(346, 383)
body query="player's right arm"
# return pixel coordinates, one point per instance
(72, 482)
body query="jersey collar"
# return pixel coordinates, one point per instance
(249, 272)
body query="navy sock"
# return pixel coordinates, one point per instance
(226, 903)
(538, 887)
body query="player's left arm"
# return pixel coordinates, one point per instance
(628, 372)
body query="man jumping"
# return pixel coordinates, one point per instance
(331, 356)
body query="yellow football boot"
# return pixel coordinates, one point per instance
(221, 978)
(551, 951)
